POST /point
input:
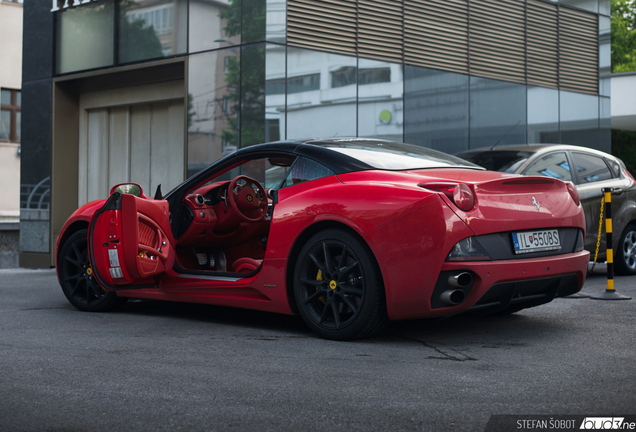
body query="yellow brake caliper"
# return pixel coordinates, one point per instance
(319, 278)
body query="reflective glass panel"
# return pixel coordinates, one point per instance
(276, 25)
(605, 131)
(252, 78)
(252, 20)
(18, 126)
(543, 115)
(153, 29)
(213, 98)
(590, 168)
(554, 165)
(274, 92)
(497, 159)
(497, 112)
(589, 5)
(318, 110)
(436, 109)
(214, 24)
(579, 119)
(5, 99)
(395, 156)
(305, 170)
(604, 55)
(380, 100)
(5, 125)
(85, 37)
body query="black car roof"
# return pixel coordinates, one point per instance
(332, 152)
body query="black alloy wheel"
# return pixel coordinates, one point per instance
(338, 287)
(77, 278)
(625, 262)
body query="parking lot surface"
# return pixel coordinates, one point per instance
(169, 366)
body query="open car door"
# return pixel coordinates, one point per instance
(130, 242)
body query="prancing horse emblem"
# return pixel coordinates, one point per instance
(536, 204)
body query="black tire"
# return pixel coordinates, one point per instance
(77, 281)
(338, 287)
(625, 262)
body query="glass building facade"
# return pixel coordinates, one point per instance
(252, 71)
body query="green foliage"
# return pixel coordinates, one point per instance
(623, 35)
(253, 19)
(246, 84)
(232, 79)
(233, 18)
(253, 95)
(624, 148)
(137, 42)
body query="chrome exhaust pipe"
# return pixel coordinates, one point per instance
(452, 297)
(460, 280)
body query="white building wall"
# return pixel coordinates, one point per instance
(11, 45)
(624, 101)
(10, 78)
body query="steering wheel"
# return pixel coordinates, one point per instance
(245, 195)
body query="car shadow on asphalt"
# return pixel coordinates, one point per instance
(452, 329)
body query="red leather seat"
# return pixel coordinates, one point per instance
(246, 265)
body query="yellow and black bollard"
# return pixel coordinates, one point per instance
(610, 293)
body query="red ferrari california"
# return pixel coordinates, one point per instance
(350, 233)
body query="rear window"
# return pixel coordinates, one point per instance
(497, 160)
(390, 155)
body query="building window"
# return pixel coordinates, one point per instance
(225, 105)
(305, 83)
(374, 76)
(10, 116)
(343, 77)
(275, 86)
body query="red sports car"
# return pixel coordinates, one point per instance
(349, 233)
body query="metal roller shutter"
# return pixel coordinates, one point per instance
(436, 34)
(498, 39)
(578, 51)
(380, 31)
(543, 44)
(323, 24)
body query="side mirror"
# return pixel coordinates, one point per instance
(129, 188)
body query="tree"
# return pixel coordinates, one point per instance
(246, 86)
(623, 35)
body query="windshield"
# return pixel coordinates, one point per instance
(390, 155)
(497, 160)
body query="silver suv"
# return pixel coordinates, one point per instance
(590, 170)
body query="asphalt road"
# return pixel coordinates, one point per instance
(165, 366)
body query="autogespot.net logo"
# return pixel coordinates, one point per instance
(606, 423)
(545, 423)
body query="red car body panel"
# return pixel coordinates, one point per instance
(409, 229)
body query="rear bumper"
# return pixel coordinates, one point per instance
(514, 284)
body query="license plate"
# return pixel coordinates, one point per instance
(536, 241)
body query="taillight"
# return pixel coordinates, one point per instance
(573, 193)
(463, 197)
(459, 193)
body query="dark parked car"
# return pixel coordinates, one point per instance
(590, 170)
